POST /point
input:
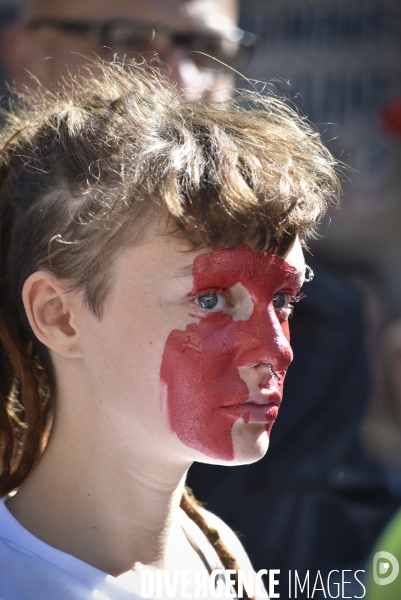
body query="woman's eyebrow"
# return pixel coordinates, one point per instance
(187, 271)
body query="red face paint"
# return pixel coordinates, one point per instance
(200, 365)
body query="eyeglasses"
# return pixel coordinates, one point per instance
(232, 46)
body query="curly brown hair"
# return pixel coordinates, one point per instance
(87, 168)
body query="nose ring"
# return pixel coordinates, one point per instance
(273, 373)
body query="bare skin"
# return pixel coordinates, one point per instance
(45, 52)
(112, 452)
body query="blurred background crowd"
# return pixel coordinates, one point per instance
(331, 480)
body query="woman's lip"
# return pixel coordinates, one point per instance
(253, 411)
(273, 398)
(267, 398)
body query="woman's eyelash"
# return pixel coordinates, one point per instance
(297, 297)
(216, 299)
(282, 303)
(206, 291)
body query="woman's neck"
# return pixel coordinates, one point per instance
(108, 505)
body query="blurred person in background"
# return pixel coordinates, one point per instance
(317, 502)
(382, 426)
(52, 35)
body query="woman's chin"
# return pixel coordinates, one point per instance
(250, 442)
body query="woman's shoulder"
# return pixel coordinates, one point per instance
(31, 569)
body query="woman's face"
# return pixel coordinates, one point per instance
(193, 347)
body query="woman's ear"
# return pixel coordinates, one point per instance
(52, 314)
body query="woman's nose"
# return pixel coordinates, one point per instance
(264, 340)
(259, 377)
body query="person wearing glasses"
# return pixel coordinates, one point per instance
(197, 41)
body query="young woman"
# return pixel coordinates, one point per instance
(150, 256)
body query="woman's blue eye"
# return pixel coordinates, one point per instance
(280, 301)
(208, 301)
